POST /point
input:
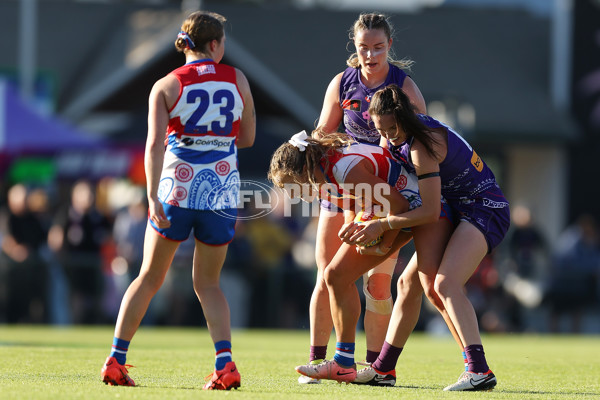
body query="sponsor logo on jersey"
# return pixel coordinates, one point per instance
(476, 162)
(208, 143)
(206, 69)
(494, 204)
(351, 104)
(213, 142)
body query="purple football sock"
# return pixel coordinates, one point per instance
(387, 358)
(476, 357)
(372, 356)
(318, 352)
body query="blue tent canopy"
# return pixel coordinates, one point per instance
(23, 130)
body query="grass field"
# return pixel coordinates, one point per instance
(64, 363)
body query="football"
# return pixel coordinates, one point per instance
(367, 215)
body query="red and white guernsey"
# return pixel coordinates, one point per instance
(200, 169)
(339, 163)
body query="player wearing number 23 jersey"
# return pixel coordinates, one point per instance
(198, 117)
(200, 169)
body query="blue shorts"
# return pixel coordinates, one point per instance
(489, 213)
(215, 228)
(447, 213)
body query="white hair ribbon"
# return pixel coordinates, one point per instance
(299, 140)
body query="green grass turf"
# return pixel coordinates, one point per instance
(41, 362)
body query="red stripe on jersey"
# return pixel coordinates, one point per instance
(191, 73)
(333, 160)
(383, 166)
(327, 163)
(175, 127)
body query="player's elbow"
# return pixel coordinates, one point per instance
(245, 141)
(242, 144)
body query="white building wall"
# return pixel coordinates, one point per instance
(537, 178)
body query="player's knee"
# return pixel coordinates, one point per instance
(151, 282)
(433, 297)
(202, 286)
(430, 292)
(407, 288)
(320, 284)
(321, 262)
(198, 289)
(378, 286)
(428, 285)
(378, 306)
(443, 287)
(378, 298)
(332, 276)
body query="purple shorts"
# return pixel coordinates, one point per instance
(215, 228)
(489, 212)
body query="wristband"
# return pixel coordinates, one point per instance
(389, 224)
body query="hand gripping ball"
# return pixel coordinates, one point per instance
(362, 217)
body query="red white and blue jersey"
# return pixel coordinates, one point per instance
(200, 169)
(339, 163)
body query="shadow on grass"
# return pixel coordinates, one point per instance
(411, 387)
(525, 392)
(417, 387)
(163, 387)
(542, 392)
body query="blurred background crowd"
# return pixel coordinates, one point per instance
(70, 251)
(519, 79)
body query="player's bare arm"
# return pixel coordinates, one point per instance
(247, 132)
